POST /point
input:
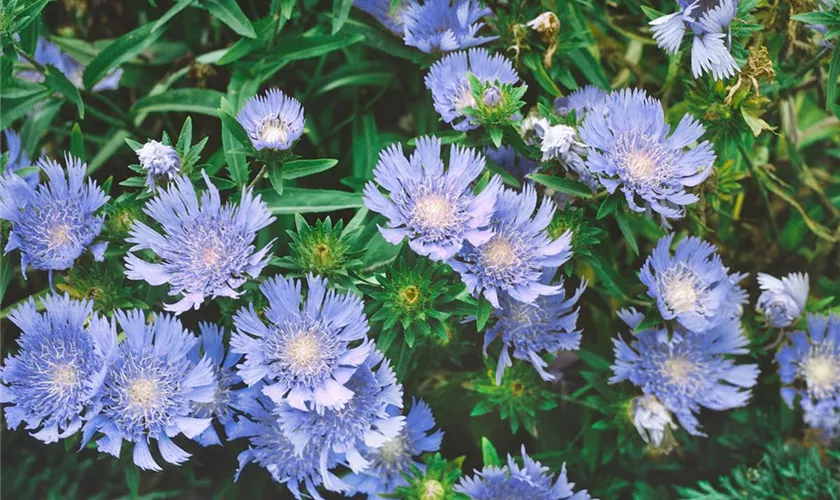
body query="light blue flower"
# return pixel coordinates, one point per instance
(273, 121)
(451, 90)
(309, 349)
(692, 286)
(150, 391)
(48, 54)
(651, 419)
(381, 10)
(512, 261)
(631, 149)
(53, 223)
(57, 372)
(509, 159)
(782, 301)
(159, 161)
(444, 25)
(206, 249)
(709, 21)
(18, 158)
(686, 370)
(393, 459)
(532, 481)
(582, 101)
(436, 210)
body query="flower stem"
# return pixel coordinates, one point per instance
(774, 228)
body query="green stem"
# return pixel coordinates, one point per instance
(774, 228)
(811, 64)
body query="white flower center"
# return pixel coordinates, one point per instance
(210, 256)
(274, 131)
(499, 253)
(432, 490)
(679, 369)
(822, 374)
(64, 377)
(302, 352)
(393, 451)
(59, 235)
(465, 99)
(680, 291)
(142, 392)
(641, 166)
(434, 211)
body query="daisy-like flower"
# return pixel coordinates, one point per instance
(560, 142)
(273, 121)
(309, 350)
(451, 90)
(159, 161)
(651, 419)
(150, 390)
(630, 149)
(813, 359)
(58, 370)
(366, 422)
(221, 406)
(48, 54)
(270, 448)
(444, 25)
(782, 301)
(207, 248)
(390, 461)
(688, 371)
(18, 158)
(512, 261)
(381, 10)
(532, 481)
(581, 101)
(546, 326)
(516, 164)
(54, 222)
(692, 286)
(709, 21)
(435, 209)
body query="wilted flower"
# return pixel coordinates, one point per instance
(159, 160)
(48, 54)
(582, 101)
(437, 211)
(273, 121)
(58, 370)
(150, 391)
(517, 165)
(304, 354)
(381, 10)
(782, 301)
(451, 89)
(207, 248)
(18, 158)
(546, 24)
(686, 370)
(709, 20)
(651, 419)
(692, 286)
(631, 149)
(54, 222)
(444, 25)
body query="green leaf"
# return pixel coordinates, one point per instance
(562, 185)
(237, 165)
(77, 143)
(590, 68)
(275, 175)
(651, 13)
(202, 101)
(18, 108)
(496, 134)
(185, 136)
(296, 48)
(627, 231)
(608, 207)
(55, 80)
(178, 7)
(228, 12)
(299, 200)
(132, 479)
(340, 11)
(535, 64)
(482, 313)
(833, 74)
(119, 51)
(233, 126)
(366, 146)
(489, 454)
(301, 168)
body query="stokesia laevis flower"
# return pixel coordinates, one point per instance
(517, 165)
(273, 121)
(651, 419)
(57, 372)
(692, 286)
(686, 370)
(512, 261)
(630, 148)
(782, 301)
(159, 161)
(435, 209)
(18, 158)
(582, 101)
(150, 390)
(709, 20)
(561, 143)
(308, 350)
(444, 25)
(206, 249)
(54, 222)
(451, 90)
(381, 10)
(48, 54)
(532, 481)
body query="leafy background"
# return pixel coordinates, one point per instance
(773, 204)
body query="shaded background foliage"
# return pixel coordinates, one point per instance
(362, 90)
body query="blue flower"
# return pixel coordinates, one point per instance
(533, 481)
(18, 158)
(58, 370)
(813, 359)
(394, 458)
(53, 223)
(436, 210)
(651, 419)
(381, 10)
(451, 90)
(271, 449)
(207, 248)
(516, 164)
(444, 25)
(367, 421)
(221, 406)
(582, 101)
(686, 370)
(159, 161)
(48, 53)
(273, 121)
(512, 261)
(548, 325)
(782, 301)
(150, 391)
(709, 20)
(305, 352)
(631, 149)
(692, 286)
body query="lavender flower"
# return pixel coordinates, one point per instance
(436, 210)
(631, 149)
(381, 10)
(48, 54)
(206, 249)
(444, 25)
(517, 165)
(582, 101)
(18, 158)
(159, 161)
(451, 90)
(782, 301)
(273, 121)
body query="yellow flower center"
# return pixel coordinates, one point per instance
(302, 352)
(434, 211)
(410, 295)
(142, 392)
(499, 253)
